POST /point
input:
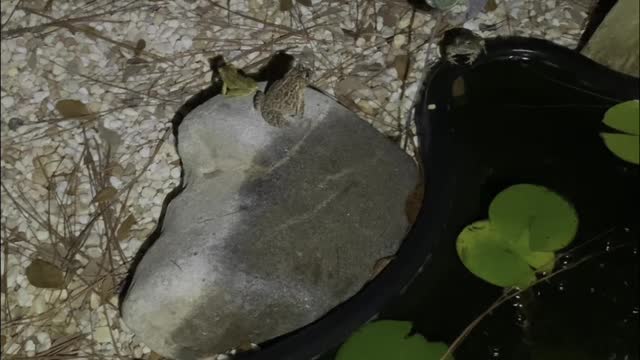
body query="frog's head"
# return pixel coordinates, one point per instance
(301, 72)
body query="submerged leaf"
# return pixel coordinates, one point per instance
(305, 2)
(551, 221)
(624, 117)
(42, 274)
(484, 254)
(624, 146)
(389, 339)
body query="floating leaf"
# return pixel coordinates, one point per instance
(623, 146)
(125, 228)
(624, 117)
(105, 194)
(539, 260)
(389, 339)
(44, 275)
(72, 109)
(482, 251)
(552, 222)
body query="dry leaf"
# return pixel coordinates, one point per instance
(380, 264)
(368, 32)
(490, 6)
(125, 227)
(305, 2)
(140, 45)
(401, 63)
(286, 5)
(107, 288)
(72, 109)
(106, 194)
(155, 356)
(414, 203)
(42, 274)
(457, 87)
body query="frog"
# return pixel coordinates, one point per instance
(234, 83)
(283, 103)
(461, 42)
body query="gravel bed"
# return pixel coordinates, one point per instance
(88, 91)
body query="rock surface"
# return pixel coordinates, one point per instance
(274, 228)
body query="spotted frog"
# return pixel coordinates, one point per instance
(461, 43)
(283, 102)
(234, 83)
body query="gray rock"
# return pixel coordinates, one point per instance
(274, 228)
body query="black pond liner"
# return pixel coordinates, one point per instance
(461, 180)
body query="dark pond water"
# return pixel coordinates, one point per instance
(530, 122)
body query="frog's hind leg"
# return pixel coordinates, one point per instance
(299, 112)
(258, 99)
(275, 118)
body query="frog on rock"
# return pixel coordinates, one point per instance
(234, 83)
(283, 102)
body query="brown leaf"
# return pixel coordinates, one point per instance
(414, 203)
(140, 45)
(42, 274)
(401, 63)
(305, 2)
(457, 87)
(286, 5)
(125, 227)
(72, 109)
(107, 288)
(106, 194)
(490, 6)
(155, 356)
(3, 341)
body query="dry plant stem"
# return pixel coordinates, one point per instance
(513, 293)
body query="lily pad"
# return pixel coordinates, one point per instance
(552, 222)
(625, 146)
(390, 339)
(489, 257)
(624, 117)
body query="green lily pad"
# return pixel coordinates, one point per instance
(624, 146)
(624, 117)
(541, 261)
(482, 250)
(389, 339)
(552, 222)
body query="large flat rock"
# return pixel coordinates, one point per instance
(274, 228)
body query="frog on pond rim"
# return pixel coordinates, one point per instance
(234, 83)
(460, 42)
(283, 102)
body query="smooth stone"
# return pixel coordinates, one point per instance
(276, 226)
